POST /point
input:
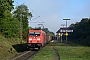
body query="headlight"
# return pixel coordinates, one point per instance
(30, 38)
(38, 38)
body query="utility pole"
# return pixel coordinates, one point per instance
(66, 26)
(21, 29)
(40, 25)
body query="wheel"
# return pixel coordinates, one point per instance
(39, 47)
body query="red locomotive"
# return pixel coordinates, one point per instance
(37, 39)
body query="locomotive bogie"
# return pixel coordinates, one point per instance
(34, 45)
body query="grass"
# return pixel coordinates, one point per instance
(5, 45)
(45, 54)
(67, 51)
(73, 52)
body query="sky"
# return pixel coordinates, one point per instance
(52, 12)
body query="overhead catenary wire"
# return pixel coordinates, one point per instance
(32, 11)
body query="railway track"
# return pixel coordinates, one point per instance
(28, 55)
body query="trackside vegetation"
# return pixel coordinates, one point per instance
(67, 51)
(45, 54)
(5, 46)
(10, 20)
(76, 52)
(10, 47)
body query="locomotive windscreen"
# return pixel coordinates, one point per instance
(34, 33)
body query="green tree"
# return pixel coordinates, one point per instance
(48, 32)
(7, 22)
(81, 32)
(5, 5)
(89, 22)
(10, 25)
(30, 28)
(22, 13)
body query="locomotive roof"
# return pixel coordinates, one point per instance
(37, 31)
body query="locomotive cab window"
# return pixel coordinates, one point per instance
(37, 33)
(31, 34)
(34, 34)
